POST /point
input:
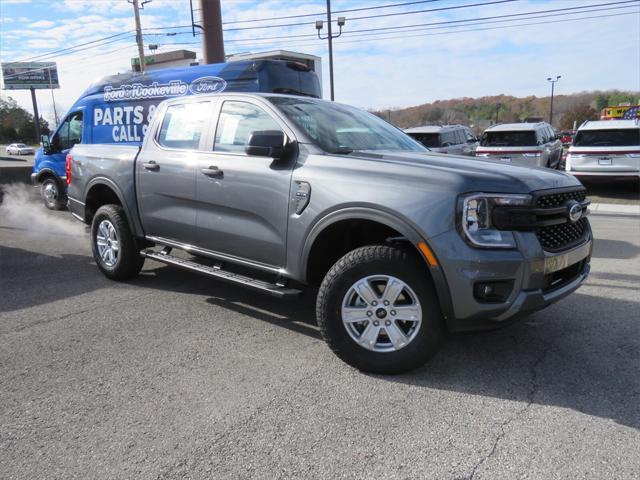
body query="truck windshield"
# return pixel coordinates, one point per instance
(509, 139)
(608, 138)
(339, 128)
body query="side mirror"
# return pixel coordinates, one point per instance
(46, 143)
(266, 143)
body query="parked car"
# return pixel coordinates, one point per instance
(117, 108)
(525, 144)
(278, 193)
(566, 137)
(19, 149)
(606, 148)
(451, 139)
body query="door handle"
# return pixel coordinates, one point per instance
(153, 166)
(213, 172)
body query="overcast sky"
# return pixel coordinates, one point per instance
(596, 48)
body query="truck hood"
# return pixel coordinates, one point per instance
(468, 173)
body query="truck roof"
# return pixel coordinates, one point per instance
(226, 71)
(609, 124)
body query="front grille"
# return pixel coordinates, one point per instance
(554, 200)
(563, 236)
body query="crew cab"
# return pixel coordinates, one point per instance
(281, 194)
(118, 108)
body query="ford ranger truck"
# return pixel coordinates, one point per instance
(281, 193)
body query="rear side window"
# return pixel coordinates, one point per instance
(427, 139)
(449, 138)
(628, 137)
(509, 139)
(183, 125)
(238, 120)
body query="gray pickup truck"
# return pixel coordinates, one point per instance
(281, 193)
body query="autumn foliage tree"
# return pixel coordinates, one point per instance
(577, 114)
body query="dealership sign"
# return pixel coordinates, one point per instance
(27, 75)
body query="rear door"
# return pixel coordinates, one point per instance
(166, 172)
(243, 200)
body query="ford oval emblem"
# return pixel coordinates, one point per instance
(575, 211)
(207, 85)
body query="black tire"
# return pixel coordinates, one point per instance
(379, 260)
(128, 262)
(52, 194)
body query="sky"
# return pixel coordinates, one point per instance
(462, 51)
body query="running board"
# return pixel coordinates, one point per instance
(216, 272)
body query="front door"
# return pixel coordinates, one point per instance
(166, 173)
(243, 200)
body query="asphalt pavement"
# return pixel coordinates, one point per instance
(174, 376)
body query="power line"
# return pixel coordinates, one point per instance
(448, 24)
(456, 7)
(335, 12)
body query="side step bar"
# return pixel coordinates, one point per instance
(218, 273)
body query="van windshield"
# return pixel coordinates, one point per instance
(339, 128)
(427, 139)
(623, 137)
(509, 139)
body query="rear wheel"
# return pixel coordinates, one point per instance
(378, 311)
(52, 194)
(114, 248)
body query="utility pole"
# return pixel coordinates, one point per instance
(212, 38)
(36, 115)
(553, 84)
(330, 37)
(136, 12)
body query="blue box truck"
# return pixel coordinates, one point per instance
(117, 108)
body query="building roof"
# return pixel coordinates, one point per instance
(609, 124)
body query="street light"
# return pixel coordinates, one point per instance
(319, 25)
(553, 84)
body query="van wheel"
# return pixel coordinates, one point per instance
(114, 248)
(52, 194)
(378, 311)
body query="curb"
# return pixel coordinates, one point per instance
(614, 209)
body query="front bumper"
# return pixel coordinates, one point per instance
(539, 278)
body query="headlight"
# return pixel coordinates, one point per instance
(476, 219)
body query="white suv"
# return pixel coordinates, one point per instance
(524, 144)
(607, 148)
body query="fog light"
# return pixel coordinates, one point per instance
(493, 292)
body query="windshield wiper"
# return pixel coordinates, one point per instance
(342, 151)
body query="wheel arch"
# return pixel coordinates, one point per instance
(103, 191)
(388, 222)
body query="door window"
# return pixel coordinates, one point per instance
(183, 125)
(70, 132)
(236, 123)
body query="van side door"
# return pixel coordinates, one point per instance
(166, 172)
(243, 200)
(68, 134)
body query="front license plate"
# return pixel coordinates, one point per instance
(506, 159)
(553, 263)
(605, 161)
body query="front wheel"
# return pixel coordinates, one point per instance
(378, 312)
(114, 247)
(52, 195)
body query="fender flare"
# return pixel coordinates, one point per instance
(45, 172)
(107, 182)
(391, 220)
